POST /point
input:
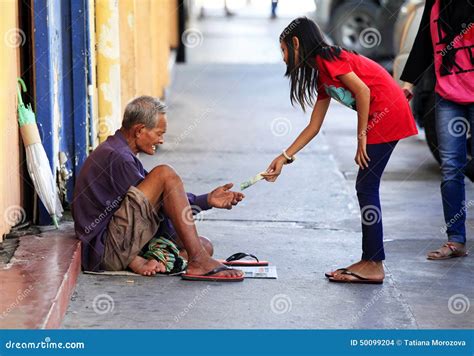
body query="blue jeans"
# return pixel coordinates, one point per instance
(452, 123)
(367, 187)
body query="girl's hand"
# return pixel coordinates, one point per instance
(274, 169)
(408, 90)
(361, 158)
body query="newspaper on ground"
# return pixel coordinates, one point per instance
(267, 272)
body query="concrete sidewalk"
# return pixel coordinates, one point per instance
(305, 224)
(226, 123)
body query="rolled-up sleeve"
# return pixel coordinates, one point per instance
(198, 202)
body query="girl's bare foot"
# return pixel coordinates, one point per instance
(367, 269)
(349, 268)
(145, 267)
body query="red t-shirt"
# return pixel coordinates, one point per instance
(390, 117)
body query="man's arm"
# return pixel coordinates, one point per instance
(221, 197)
(198, 202)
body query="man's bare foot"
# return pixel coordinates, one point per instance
(145, 267)
(366, 269)
(203, 264)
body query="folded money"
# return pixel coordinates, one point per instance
(251, 181)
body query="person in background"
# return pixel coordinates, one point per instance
(274, 9)
(445, 40)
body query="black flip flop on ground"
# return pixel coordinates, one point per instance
(329, 275)
(236, 260)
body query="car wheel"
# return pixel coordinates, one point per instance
(352, 27)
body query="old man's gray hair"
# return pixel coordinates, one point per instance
(143, 110)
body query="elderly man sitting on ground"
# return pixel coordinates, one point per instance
(127, 217)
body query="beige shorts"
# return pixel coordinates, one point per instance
(131, 227)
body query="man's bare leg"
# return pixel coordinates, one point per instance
(163, 186)
(206, 243)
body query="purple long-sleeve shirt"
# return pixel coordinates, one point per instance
(103, 182)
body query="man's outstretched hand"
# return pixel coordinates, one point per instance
(223, 198)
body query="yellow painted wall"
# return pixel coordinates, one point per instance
(127, 51)
(173, 23)
(143, 49)
(10, 181)
(163, 20)
(108, 67)
(133, 52)
(148, 28)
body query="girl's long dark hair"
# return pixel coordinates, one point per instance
(304, 74)
(455, 18)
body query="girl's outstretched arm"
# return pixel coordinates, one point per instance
(317, 117)
(362, 95)
(309, 132)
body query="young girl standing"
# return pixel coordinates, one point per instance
(319, 70)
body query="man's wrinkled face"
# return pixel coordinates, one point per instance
(148, 139)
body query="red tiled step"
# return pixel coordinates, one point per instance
(35, 287)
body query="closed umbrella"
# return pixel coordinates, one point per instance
(37, 161)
